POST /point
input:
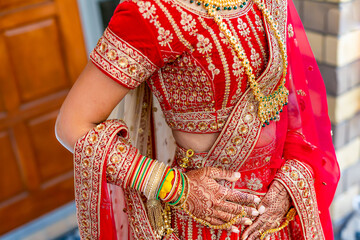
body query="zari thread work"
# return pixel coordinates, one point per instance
(270, 105)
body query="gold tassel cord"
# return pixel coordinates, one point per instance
(155, 215)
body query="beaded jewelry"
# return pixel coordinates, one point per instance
(271, 105)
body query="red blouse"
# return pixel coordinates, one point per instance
(181, 53)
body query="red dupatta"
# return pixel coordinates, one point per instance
(318, 150)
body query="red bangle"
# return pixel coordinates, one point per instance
(177, 187)
(134, 170)
(146, 174)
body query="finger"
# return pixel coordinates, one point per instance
(256, 235)
(242, 198)
(218, 173)
(214, 221)
(255, 227)
(268, 225)
(243, 221)
(224, 216)
(237, 209)
(261, 209)
(217, 222)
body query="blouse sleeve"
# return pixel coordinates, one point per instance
(128, 51)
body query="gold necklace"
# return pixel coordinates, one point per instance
(271, 105)
(221, 4)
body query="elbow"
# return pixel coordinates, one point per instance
(62, 134)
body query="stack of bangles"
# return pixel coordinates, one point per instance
(172, 188)
(158, 181)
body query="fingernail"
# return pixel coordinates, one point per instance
(261, 209)
(257, 200)
(237, 175)
(244, 238)
(255, 213)
(248, 222)
(234, 229)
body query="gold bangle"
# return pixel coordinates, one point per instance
(289, 217)
(154, 181)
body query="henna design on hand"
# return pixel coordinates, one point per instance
(210, 201)
(277, 203)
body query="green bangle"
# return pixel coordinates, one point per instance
(161, 185)
(143, 173)
(182, 190)
(137, 171)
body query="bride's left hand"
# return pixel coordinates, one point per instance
(273, 207)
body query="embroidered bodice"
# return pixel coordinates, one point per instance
(188, 63)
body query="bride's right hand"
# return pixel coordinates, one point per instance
(210, 201)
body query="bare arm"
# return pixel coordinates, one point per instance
(89, 102)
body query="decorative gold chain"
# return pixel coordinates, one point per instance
(218, 227)
(271, 105)
(289, 217)
(222, 4)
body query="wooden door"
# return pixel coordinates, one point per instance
(41, 54)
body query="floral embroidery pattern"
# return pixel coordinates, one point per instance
(204, 45)
(243, 29)
(148, 11)
(255, 58)
(237, 66)
(290, 31)
(259, 23)
(165, 36)
(188, 23)
(301, 92)
(253, 183)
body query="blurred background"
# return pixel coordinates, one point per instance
(44, 46)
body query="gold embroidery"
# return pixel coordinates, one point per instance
(223, 60)
(174, 25)
(148, 11)
(259, 43)
(189, 24)
(254, 183)
(301, 92)
(298, 180)
(290, 31)
(121, 61)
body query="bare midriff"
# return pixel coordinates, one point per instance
(202, 142)
(199, 142)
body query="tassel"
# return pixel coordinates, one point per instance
(155, 215)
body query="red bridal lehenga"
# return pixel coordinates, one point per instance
(201, 87)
